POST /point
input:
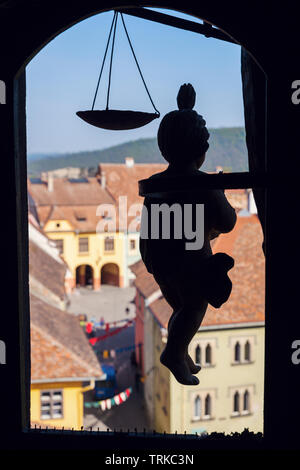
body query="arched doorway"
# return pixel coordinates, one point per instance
(84, 275)
(110, 274)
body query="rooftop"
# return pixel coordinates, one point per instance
(85, 192)
(59, 348)
(122, 179)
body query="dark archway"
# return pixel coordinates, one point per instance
(110, 274)
(84, 275)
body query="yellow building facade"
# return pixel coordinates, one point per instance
(92, 258)
(61, 358)
(81, 216)
(58, 404)
(229, 397)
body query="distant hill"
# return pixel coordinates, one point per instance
(39, 156)
(227, 149)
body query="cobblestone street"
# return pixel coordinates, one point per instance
(110, 303)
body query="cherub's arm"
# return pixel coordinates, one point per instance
(223, 214)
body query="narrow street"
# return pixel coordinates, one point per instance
(111, 303)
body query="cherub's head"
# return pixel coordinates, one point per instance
(182, 136)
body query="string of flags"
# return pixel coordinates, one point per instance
(109, 402)
(106, 353)
(92, 324)
(95, 340)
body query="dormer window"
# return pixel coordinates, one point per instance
(80, 216)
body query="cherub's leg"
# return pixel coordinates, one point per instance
(185, 324)
(194, 368)
(172, 297)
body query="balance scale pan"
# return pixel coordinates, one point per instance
(117, 120)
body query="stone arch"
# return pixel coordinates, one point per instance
(84, 275)
(110, 274)
(57, 23)
(59, 19)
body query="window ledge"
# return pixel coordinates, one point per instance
(204, 418)
(241, 414)
(242, 363)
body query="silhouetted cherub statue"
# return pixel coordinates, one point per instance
(189, 276)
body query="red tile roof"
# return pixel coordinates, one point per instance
(59, 347)
(246, 303)
(66, 193)
(71, 202)
(144, 281)
(122, 180)
(45, 269)
(82, 218)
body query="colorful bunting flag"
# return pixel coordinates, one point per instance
(109, 402)
(103, 405)
(102, 324)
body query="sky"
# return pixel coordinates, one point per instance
(62, 78)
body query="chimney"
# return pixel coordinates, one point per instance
(103, 180)
(129, 162)
(50, 182)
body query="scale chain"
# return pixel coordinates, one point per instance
(137, 64)
(113, 28)
(104, 58)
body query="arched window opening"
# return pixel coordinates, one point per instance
(198, 355)
(197, 407)
(236, 402)
(207, 406)
(237, 352)
(208, 354)
(246, 401)
(247, 351)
